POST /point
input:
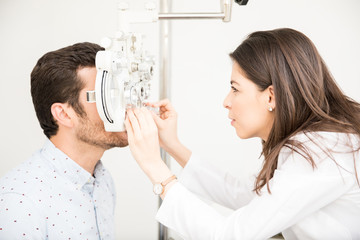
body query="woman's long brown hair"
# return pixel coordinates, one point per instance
(307, 97)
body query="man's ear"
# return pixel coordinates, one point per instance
(271, 95)
(62, 114)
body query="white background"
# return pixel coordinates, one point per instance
(200, 78)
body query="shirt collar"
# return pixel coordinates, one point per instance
(68, 168)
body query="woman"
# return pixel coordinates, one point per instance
(308, 187)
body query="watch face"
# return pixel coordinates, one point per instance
(158, 189)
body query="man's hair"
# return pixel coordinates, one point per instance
(306, 95)
(54, 79)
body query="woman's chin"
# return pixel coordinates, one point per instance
(241, 134)
(244, 135)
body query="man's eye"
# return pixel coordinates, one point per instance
(234, 89)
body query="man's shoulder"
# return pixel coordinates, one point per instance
(25, 176)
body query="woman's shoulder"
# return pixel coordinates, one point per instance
(320, 139)
(323, 147)
(305, 136)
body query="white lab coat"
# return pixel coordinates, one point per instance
(305, 203)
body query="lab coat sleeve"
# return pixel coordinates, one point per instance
(296, 191)
(19, 219)
(206, 180)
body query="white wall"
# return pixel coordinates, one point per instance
(200, 78)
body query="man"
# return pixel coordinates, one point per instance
(63, 191)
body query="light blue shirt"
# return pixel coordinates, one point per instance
(49, 196)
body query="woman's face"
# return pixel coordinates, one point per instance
(249, 108)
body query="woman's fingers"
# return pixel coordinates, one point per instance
(166, 110)
(139, 113)
(162, 102)
(163, 105)
(134, 122)
(129, 129)
(156, 118)
(140, 123)
(149, 119)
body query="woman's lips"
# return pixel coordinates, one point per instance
(232, 121)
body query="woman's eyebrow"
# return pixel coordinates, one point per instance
(233, 82)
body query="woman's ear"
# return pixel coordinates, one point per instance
(271, 96)
(62, 114)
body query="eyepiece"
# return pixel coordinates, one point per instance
(241, 2)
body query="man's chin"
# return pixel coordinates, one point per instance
(123, 144)
(120, 139)
(109, 146)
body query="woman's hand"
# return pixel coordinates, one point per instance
(167, 126)
(166, 123)
(144, 144)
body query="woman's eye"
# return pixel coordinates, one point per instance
(234, 89)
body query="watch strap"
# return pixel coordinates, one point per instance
(167, 181)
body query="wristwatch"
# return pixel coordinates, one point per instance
(160, 187)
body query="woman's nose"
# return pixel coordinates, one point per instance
(227, 102)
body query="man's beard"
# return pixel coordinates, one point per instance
(94, 134)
